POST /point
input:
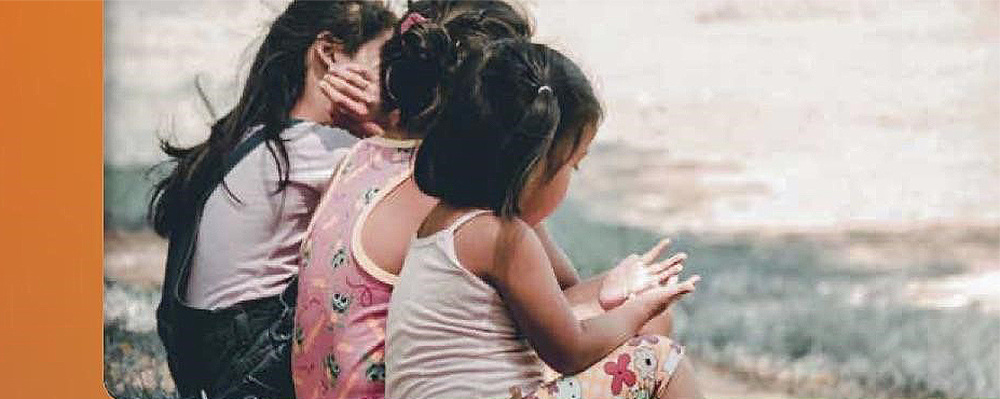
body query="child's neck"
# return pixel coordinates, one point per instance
(312, 106)
(439, 217)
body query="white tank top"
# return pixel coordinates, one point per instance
(448, 334)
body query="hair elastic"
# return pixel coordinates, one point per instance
(544, 88)
(410, 20)
(387, 83)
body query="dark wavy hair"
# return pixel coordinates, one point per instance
(519, 108)
(275, 82)
(416, 65)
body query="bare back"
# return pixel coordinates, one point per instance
(393, 221)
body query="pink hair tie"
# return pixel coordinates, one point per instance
(410, 20)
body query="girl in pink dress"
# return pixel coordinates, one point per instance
(343, 296)
(339, 334)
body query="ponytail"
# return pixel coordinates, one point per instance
(430, 44)
(514, 114)
(415, 63)
(530, 140)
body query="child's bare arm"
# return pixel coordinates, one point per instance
(566, 274)
(525, 279)
(582, 294)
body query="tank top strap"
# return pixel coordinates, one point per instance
(464, 219)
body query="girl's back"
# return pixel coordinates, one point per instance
(250, 249)
(451, 333)
(343, 295)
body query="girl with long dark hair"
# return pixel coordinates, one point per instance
(235, 207)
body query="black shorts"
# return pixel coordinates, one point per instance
(241, 352)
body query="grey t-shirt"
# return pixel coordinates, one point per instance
(249, 249)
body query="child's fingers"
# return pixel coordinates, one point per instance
(345, 87)
(667, 291)
(665, 275)
(341, 100)
(665, 296)
(658, 267)
(689, 284)
(352, 77)
(362, 70)
(655, 251)
(346, 106)
(674, 292)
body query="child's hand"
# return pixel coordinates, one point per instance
(636, 274)
(354, 91)
(665, 295)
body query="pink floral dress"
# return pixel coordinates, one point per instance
(343, 297)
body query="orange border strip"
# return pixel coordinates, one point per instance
(51, 157)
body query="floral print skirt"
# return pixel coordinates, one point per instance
(636, 370)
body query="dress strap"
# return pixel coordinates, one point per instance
(465, 218)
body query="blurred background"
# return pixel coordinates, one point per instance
(832, 168)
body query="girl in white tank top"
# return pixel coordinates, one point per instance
(452, 322)
(477, 311)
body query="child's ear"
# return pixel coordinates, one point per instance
(327, 49)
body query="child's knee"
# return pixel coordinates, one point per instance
(682, 383)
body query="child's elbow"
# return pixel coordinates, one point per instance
(569, 367)
(566, 360)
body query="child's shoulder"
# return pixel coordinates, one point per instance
(479, 241)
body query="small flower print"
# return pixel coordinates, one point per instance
(339, 258)
(620, 374)
(332, 368)
(340, 302)
(376, 372)
(370, 195)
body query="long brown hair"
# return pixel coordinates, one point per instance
(274, 84)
